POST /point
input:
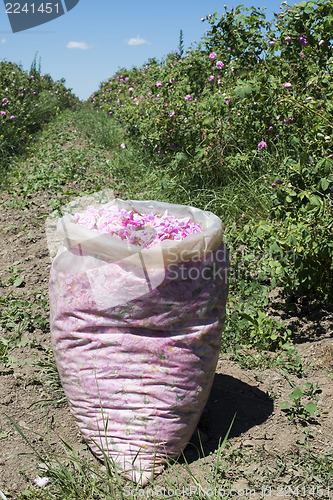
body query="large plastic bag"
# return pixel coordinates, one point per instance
(136, 335)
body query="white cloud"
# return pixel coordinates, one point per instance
(137, 41)
(78, 45)
(3, 40)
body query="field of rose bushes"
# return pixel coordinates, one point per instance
(240, 124)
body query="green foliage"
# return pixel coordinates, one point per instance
(241, 124)
(287, 360)
(238, 35)
(313, 22)
(58, 166)
(100, 129)
(28, 99)
(296, 243)
(291, 362)
(19, 316)
(228, 93)
(262, 331)
(299, 411)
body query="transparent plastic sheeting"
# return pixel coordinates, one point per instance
(136, 335)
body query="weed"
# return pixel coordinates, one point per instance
(19, 315)
(290, 361)
(312, 390)
(15, 278)
(49, 377)
(251, 358)
(299, 411)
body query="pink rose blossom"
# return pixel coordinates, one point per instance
(212, 56)
(303, 41)
(262, 145)
(143, 230)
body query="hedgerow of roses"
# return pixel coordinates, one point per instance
(232, 91)
(26, 100)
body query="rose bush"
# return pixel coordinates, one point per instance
(252, 98)
(27, 100)
(232, 91)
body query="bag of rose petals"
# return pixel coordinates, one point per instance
(137, 293)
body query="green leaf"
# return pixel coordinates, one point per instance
(181, 156)
(326, 164)
(165, 181)
(248, 317)
(18, 282)
(324, 183)
(285, 405)
(276, 248)
(309, 9)
(244, 90)
(311, 408)
(315, 200)
(296, 394)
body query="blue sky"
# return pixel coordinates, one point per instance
(89, 43)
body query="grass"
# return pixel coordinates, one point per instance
(71, 477)
(18, 317)
(249, 358)
(48, 376)
(20, 312)
(143, 175)
(304, 473)
(52, 166)
(134, 172)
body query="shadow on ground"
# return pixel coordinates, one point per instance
(229, 397)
